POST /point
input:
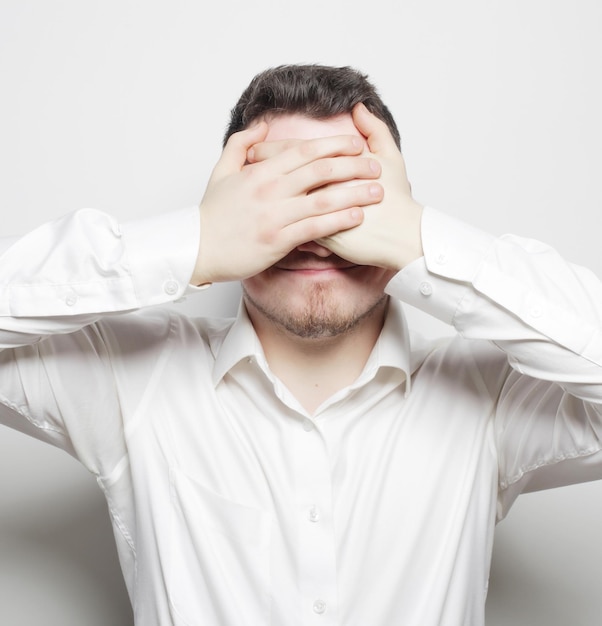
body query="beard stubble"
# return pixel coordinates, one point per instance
(322, 316)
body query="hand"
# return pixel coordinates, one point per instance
(389, 235)
(254, 214)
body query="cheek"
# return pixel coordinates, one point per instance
(251, 285)
(385, 276)
(260, 286)
(376, 279)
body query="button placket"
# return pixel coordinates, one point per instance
(317, 556)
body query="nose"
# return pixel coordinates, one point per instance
(314, 248)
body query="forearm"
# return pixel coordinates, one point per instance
(68, 273)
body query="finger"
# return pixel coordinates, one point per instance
(268, 149)
(332, 200)
(377, 133)
(329, 171)
(235, 151)
(318, 227)
(310, 150)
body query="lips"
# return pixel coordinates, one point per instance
(313, 267)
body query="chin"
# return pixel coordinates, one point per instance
(318, 313)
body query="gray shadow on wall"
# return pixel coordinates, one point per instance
(58, 560)
(546, 569)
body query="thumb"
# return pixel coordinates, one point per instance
(377, 133)
(234, 155)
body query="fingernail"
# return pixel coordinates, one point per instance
(357, 214)
(358, 142)
(374, 166)
(375, 190)
(250, 154)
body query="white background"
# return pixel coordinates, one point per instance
(121, 104)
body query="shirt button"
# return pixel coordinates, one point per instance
(426, 289)
(313, 514)
(170, 287)
(307, 425)
(319, 607)
(71, 299)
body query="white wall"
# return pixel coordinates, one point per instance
(120, 105)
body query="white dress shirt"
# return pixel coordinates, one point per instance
(231, 505)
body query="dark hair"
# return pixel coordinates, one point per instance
(316, 91)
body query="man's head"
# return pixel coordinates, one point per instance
(314, 91)
(312, 293)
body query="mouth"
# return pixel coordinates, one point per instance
(312, 268)
(303, 262)
(300, 263)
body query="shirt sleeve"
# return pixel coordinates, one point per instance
(58, 283)
(68, 273)
(546, 315)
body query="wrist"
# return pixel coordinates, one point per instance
(411, 233)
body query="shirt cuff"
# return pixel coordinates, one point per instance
(162, 252)
(437, 282)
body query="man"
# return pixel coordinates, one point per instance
(311, 461)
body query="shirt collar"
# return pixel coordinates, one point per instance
(240, 342)
(392, 348)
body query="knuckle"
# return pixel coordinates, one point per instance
(266, 190)
(323, 169)
(266, 232)
(352, 145)
(322, 202)
(371, 166)
(307, 149)
(288, 144)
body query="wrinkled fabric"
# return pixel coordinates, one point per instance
(232, 505)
